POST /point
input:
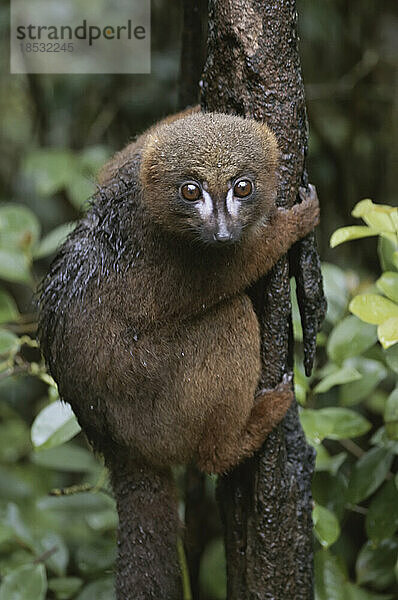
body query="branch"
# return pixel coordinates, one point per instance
(253, 69)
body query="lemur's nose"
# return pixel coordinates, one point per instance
(222, 236)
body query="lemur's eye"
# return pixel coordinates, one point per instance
(243, 188)
(190, 191)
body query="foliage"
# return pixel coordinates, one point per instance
(53, 543)
(60, 543)
(354, 396)
(55, 132)
(381, 310)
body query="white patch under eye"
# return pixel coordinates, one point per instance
(205, 207)
(233, 205)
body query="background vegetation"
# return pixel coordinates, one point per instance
(57, 541)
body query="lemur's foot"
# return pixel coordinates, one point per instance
(269, 408)
(274, 403)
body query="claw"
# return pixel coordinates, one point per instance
(308, 194)
(287, 377)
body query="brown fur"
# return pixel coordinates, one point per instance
(163, 356)
(147, 329)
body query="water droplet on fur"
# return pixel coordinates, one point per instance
(91, 406)
(144, 363)
(182, 353)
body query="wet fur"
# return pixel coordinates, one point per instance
(150, 335)
(151, 338)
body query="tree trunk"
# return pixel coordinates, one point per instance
(253, 69)
(193, 50)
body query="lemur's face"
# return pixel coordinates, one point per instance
(210, 177)
(218, 214)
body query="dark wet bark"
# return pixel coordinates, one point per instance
(253, 69)
(193, 47)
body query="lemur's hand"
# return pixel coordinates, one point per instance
(303, 217)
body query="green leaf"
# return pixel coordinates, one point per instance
(301, 386)
(379, 216)
(381, 439)
(54, 425)
(386, 250)
(58, 559)
(353, 592)
(66, 458)
(104, 520)
(333, 423)
(51, 169)
(14, 440)
(296, 318)
(350, 337)
(382, 516)
(15, 266)
(77, 505)
(388, 284)
(9, 342)
(93, 158)
(316, 426)
(50, 243)
(380, 221)
(372, 373)
(353, 232)
(65, 588)
(375, 565)
(19, 227)
(376, 401)
(326, 526)
(387, 332)
(329, 578)
(103, 589)
(8, 308)
(25, 583)
(12, 487)
(368, 474)
(94, 557)
(6, 533)
(362, 207)
(391, 356)
(14, 520)
(80, 189)
(15, 559)
(336, 291)
(325, 462)
(391, 415)
(372, 308)
(343, 375)
(346, 423)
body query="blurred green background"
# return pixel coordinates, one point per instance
(55, 132)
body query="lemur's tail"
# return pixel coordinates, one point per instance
(148, 566)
